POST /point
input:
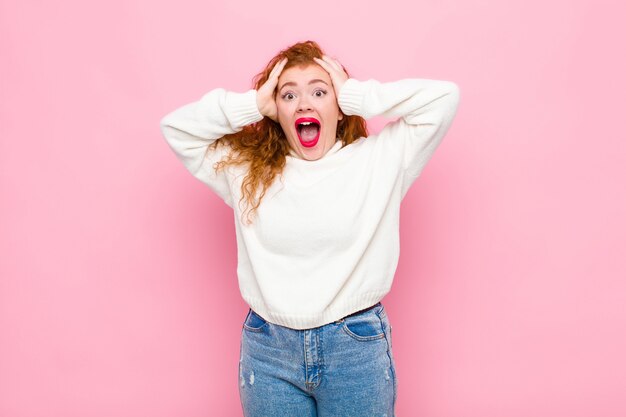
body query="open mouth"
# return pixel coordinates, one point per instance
(308, 129)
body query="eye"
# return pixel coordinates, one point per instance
(319, 93)
(287, 96)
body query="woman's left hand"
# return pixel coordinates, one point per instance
(337, 74)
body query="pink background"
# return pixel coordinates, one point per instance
(118, 291)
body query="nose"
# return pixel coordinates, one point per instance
(304, 106)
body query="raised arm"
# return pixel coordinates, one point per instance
(190, 129)
(425, 109)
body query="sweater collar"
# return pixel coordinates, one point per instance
(338, 145)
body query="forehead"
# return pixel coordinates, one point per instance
(302, 75)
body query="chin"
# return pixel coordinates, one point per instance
(310, 158)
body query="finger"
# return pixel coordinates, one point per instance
(332, 71)
(323, 64)
(278, 68)
(335, 63)
(326, 60)
(337, 67)
(332, 68)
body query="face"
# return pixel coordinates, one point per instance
(307, 110)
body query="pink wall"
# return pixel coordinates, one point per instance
(118, 291)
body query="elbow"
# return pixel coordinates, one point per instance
(454, 92)
(453, 97)
(164, 123)
(166, 129)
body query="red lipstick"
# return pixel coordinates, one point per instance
(308, 130)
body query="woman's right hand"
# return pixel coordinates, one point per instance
(265, 94)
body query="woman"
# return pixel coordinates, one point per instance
(322, 249)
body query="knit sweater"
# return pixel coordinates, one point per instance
(325, 239)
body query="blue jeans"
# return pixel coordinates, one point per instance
(341, 369)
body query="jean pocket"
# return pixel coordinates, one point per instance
(364, 327)
(254, 322)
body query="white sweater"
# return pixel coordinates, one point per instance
(325, 240)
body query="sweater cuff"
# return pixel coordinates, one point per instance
(351, 97)
(242, 109)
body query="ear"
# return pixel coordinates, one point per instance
(340, 115)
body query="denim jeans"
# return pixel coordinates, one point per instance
(342, 369)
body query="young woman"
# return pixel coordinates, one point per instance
(322, 247)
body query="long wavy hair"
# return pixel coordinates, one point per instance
(263, 145)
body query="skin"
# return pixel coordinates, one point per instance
(286, 103)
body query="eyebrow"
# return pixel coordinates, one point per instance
(317, 80)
